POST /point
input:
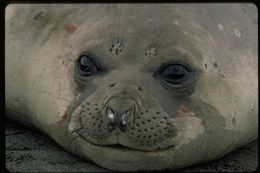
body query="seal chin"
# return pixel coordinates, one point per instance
(117, 157)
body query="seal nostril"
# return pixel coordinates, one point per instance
(122, 124)
(112, 85)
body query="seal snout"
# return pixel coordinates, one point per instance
(120, 112)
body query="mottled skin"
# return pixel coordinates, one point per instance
(170, 128)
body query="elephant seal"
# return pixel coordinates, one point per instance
(135, 87)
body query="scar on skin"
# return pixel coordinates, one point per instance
(184, 111)
(237, 32)
(177, 22)
(185, 33)
(70, 28)
(220, 27)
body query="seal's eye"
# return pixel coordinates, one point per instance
(87, 66)
(174, 73)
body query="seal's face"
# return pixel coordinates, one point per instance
(136, 87)
(140, 91)
(140, 94)
(124, 110)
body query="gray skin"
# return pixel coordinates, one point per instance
(156, 125)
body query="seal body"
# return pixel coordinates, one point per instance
(135, 87)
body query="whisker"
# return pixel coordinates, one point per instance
(76, 130)
(71, 93)
(119, 16)
(63, 98)
(72, 140)
(184, 130)
(66, 99)
(183, 118)
(82, 132)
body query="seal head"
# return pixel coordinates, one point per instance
(130, 87)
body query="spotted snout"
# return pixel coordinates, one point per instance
(124, 115)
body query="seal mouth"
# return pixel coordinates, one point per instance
(120, 123)
(131, 131)
(121, 147)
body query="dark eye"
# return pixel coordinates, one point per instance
(174, 73)
(87, 66)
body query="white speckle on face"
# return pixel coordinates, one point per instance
(133, 17)
(185, 33)
(177, 22)
(237, 32)
(220, 27)
(149, 20)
